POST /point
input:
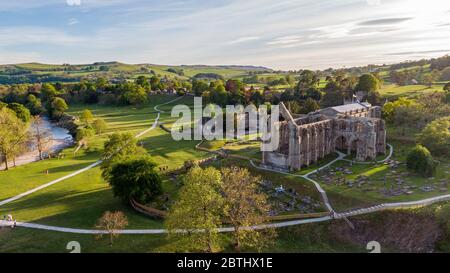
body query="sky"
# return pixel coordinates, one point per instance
(280, 34)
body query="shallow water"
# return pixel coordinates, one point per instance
(58, 133)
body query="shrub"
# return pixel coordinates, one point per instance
(420, 161)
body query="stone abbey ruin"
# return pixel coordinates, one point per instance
(354, 127)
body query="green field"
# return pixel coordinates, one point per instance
(80, 200)
(393, 91)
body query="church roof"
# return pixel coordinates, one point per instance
(350, 107)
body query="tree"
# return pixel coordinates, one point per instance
(374, 98)
(445, 74)
(219, 95)
(41, 135)
(21, 111)
(245, 205)
(13, 134)
(313, 93)
(308, 79)
(199, 86)
(197, 211)
(390, 108)
(119, 147)
(143, 82)
(431, 77)
(134, 94)
(334, 95)
(436, 136)
(135, 179)
(154, 82)
(83, 134)
(34, 104)
(112, 222)
(99, 125)
(86, 117)
(447, 87)
(310, 106)
(368, 83)
(48, 92)
(420, 161)
(57, 107)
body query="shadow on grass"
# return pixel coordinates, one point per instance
(74, 209)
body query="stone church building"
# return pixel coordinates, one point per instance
(355, 127)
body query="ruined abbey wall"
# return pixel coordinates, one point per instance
(305, 140)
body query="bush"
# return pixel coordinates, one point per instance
(135, 178)
(420, 161)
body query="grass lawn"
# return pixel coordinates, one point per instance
(77, 202)
(119, 119)
(393, 91)
(343, 197)
(81, 200)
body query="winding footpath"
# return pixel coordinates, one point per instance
(93, 165)
(333, 214)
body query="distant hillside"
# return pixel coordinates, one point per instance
(37, 72)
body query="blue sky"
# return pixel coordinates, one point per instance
(281, 34)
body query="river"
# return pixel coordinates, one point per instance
(59, 139)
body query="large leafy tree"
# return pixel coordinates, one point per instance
(309, 106)
(308, 79)
(197, 211)
(134, 94)
(13, 135)
(368, 83)
(86, 117)
(219, 95)
(436, 136)
(34, 104)
(57, 107)
(21, 111)
(119, 147)
(99, 125)
(143, 82)
(135, 178)
(48, 92)
(390, 108)
(245, 206)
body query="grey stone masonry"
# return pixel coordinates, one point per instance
(355, 127)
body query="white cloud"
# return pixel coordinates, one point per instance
(36, 35)
(244, 39)
(73, 21)
(73, 2)
(285, 40)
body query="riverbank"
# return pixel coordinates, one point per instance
(60, 139)
(56, 145)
